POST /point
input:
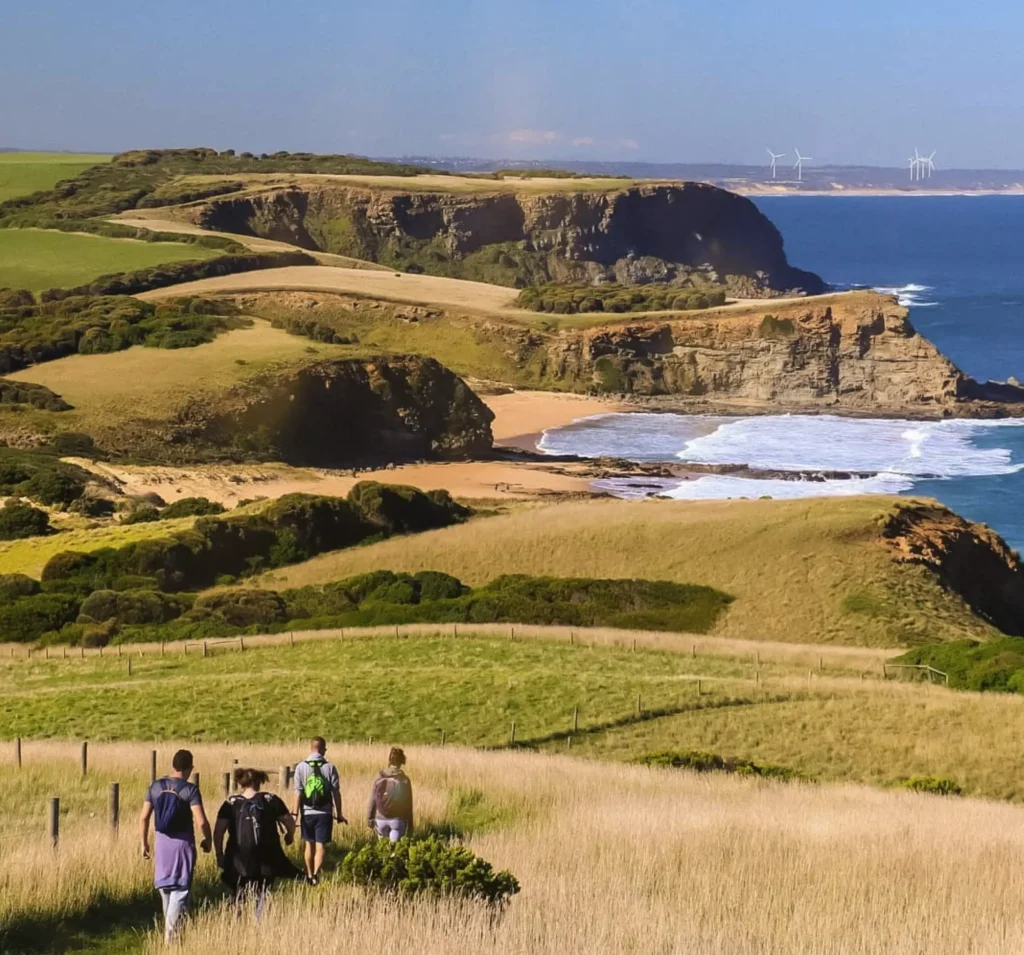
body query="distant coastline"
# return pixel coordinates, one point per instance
(770, 192)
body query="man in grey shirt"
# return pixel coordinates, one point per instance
(317, 804)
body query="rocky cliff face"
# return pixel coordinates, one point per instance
(969, 559)
(341, 412)
(855, 352)
(688, 234)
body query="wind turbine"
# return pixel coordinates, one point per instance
(799, 164)
(915, 162)
(775, 157)
(929, 164)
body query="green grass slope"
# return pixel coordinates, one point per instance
(22, 174)
(810, 571)
(38, 259)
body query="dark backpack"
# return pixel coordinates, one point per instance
(316, 792)
(256, 839)
(172, 815)
(392, 797)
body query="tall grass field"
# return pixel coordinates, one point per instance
(38, 259)
(21, 174)
(610, 859)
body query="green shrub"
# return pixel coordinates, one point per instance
(132, 607)
(13, 586)
(433, 585)
(59, 486)
(19, 520)
(937, 785)
(241, 608)
(699, 761)
(191, 507)
(997, 665)
(143, 514)
(399, 509)
(572, 299)
(430, 866)
(28, 618)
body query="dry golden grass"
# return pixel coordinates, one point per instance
(611, 860)
(791, 565)
(389, 286)
(149, 383)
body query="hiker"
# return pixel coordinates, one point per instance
(176, 808)
(317, 805)
(390, 811)
(253, 856)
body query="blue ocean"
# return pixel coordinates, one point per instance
(957, 262)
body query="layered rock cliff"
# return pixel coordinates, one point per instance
(688, 234)
(341, 412)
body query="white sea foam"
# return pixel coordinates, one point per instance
(909, 296)
(828, 443)
(717, 486)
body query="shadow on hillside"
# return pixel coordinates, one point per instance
(637, 718)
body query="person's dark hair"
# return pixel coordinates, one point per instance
(182, 761)
(396, 757)
(319, 745)
(246, 778)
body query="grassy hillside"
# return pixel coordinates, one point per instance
(117, 397)
(786, 869)
(38, 259)
(21, 174)
(807, 571)
(837, 722)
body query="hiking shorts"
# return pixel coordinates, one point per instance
(317, 827)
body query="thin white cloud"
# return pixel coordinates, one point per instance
(627, 143)
(584, 141)
(530, 136)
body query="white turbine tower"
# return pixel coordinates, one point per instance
(799, 164)
(775, 158)
(914, 163)
(929, 164)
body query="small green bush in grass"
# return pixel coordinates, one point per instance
(191, 507)
(700, 761)
(428, 866)
(937, 785)
(18, 520)
(573, 299)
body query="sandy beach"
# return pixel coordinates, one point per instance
(522, 415)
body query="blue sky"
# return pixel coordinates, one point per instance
(862, 81)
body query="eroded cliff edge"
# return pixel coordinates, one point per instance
(686, 233)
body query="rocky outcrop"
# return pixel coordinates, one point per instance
(969, 559)
(856, 352)
(340, 412)
(687, 234)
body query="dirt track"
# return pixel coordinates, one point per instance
(396, 286)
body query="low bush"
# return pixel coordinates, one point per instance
(13, 586)
(39, 474)
(142, 514)
(572, 299)
(699, 761)
(937, 785)
(191, 507)
(27, 618)
(428, 866)
(997, 665)
(89, 323)
(132, 607)
(240, 608)
(19, 520)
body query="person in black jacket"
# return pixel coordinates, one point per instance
(253, 857)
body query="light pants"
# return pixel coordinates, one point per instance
(175, 903)
(392, 829)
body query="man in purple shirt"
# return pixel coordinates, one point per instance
(176, 808)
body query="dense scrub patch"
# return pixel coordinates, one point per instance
(41, 476)
(89, 324)
(18, 520)
(428, 865)
(570, 299)
(972, 665)
(936, 785)
(387, 598)
(700, 761)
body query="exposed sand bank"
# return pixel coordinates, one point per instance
(522, 414)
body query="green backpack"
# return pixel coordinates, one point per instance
(316, 793)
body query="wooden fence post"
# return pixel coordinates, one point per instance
(63, 653)
(698, 688)
(55, 821)
(512, 735)
(227, 785)
(152, 766)
(161, 648)
(85, 758)
(575, 719)
(282, 774)
(291, 639)
(693, 652)
(443, 737)
(204, 648)
(639, 705)
(129, 666)
(572, 637)
(115, 807)
(634, 644)
(196, 779)
(821, 663)
(119, 649)
(17, 751)
(82, 648)
(241, 644)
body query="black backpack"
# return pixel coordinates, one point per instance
(256, 839)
